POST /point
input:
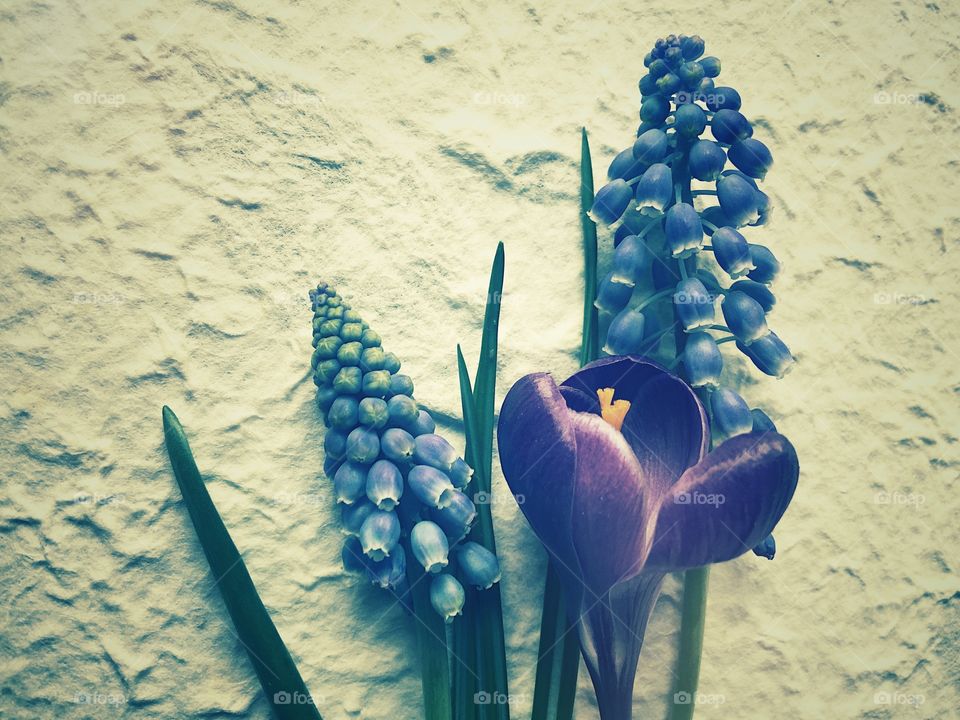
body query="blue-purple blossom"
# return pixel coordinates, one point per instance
(379, 534)
(430, 486)
(732, 251)
(730, 413)
(350, 482)
(352, 516)
(447, 596)
(456, 518)
(363, 445)
(706, 160)
(693, 304)
(766, 266)
(769, 354)
(630, 260)
(738, 199)
(683, 229)
(430, 546)
(435, 451)
(613, 295)
(625, 166)
(478, 565)
(711, 66)
(654, 109)
(758, 291)
(729, 126)
(690, 120)
(626, 333)
(654, 189)
(397, 445)
(610, 464)
(744, 316)
(384, 486)
(751, 156)
(650, 147)
(723, 98)
(386, 464)
(702, 360)
(611, 202)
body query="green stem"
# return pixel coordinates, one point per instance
(691, 642)
(432, 642)
(694, 597)
(653, 298)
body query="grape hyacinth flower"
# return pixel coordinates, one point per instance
(619, 487)
(702, 169)
(399, 485)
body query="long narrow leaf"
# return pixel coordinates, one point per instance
(466, 671)
(488, 616)
(590, 345)
(487, 367)
(284, 688)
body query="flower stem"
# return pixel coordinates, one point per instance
(691, 642)
(694, 583)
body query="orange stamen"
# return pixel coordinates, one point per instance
(613, 411)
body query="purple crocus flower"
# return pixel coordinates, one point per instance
(619, 486)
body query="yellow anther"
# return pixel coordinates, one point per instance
(613, 411)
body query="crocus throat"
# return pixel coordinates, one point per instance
(613, 411)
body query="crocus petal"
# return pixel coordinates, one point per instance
(611, 506)
(580, 401)
(611, 634)
(667, 428)
(625, 373)
(727, 504)
(538, 455)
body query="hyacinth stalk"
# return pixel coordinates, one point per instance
(668, 192)
(402, 488)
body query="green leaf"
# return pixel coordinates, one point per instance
(478, 411)
(590, 345)
(282, 685)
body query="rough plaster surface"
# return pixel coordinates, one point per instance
(177, 175)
